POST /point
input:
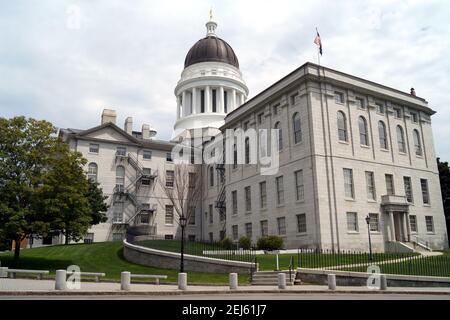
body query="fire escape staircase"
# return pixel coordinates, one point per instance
(220, 203)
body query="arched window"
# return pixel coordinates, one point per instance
(342, 126)
(235, 156)
(280, 135)
(297, 128)
(417, 144)
(401, 140)
(382, 135)
(247, 150)
(363, 133)
(211, 176)
(92, 171)
(120, 179)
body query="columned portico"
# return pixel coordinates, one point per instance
(396, 210)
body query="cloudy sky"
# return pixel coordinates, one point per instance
(65, 61)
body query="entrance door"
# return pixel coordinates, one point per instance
(398, 226)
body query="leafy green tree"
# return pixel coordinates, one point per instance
(245, 243)
(444, 177)
(26, 148)
(97, 202)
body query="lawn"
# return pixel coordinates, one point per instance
(101, 257)
(267, 262)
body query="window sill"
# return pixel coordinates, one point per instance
(168, 225)
(375, 232)
(353, 232)
(420, 157)
(301, 234)
(371, 201)
(350, 199)
(248, 213)
(343, 142)
(263, 209)
(427, 205)
(300, 201)
(431, 233)
(384, 150)
(402, 153)
(364, 146)
(280, 205)
(93, 153)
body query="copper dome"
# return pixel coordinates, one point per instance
(211, 48)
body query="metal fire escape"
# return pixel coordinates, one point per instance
(134, 225)
(220, 203)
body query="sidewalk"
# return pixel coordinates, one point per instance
(47, 287)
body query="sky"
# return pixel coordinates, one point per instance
(65, 61)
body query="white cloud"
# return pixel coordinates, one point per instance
(129, 55)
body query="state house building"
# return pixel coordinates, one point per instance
(348, 149)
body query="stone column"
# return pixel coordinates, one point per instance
(221, 100)
(208, 99)
(241, 97)
(184, 104)
(178, 107)
(407, 226)
(194, 100)
(233, 99)
(392, 225)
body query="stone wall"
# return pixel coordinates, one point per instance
(171, 260)
(346, 278)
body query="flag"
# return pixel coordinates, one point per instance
(318, 42)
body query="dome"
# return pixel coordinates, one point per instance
(211, 48)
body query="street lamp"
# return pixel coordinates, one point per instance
(183, 221)
(370, 242)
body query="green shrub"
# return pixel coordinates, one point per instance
(227, 244)
(270, 243)
(245, 243)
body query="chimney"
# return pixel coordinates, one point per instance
(128, 126)
(145, 131)
(413, 92)
(109, 115)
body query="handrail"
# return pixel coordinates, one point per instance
(421, 242)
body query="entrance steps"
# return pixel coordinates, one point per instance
(270, 278)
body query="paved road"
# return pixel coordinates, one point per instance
(255, 296)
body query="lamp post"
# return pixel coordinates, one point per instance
(370, 242)
(183, 221)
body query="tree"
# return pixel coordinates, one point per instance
(97, 202)
(444, 177)
(26, 148)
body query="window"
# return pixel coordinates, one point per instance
(281, 223)
(121, 151)
(264, 224)
(380, 107)
(370, 185)
(401, 140)
(398, 113)
(192, 180)
(275, 109)
(261, 118)
(94, 147)
(168, 236)
(120, 179)
(363, 133)
(389, 178)
(169, 214)
(352, 221)
(235, 160)
(342, 126)
(348, 184)
(211, 176)
(382, 135)
(413, 223)
(92, 171)
(169, 156)
(170, 178)
(145, 218)
(360, 103)
(338, 97)
(299, 187)
(248, 230)
(211, 219)
(280, 135)
(417, 144)
(211, 237)
(117, 236)
(118, 212)
(429, 223)
(145, 181)
(301, 223)
(234, 201)
(88, 238)
(191, 238)
(297, 128)
(262, 194)
(248, 199)
(247, 150)
(222, 234)
(425, 194)
(408, 189)
(192, 217)
(374, 222)
(414, 117)
(280, 190)
(235, 232)
(147, 154)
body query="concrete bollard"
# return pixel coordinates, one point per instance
(282, 281)
(332, 281)
(383, 282)
(182, 281)
(233, 280)
(125, 280)
(60, 280)
(3, 272)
